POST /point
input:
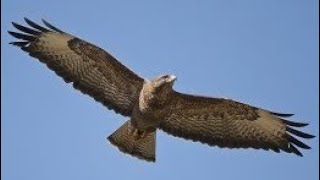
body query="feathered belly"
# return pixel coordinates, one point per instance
(145, 123)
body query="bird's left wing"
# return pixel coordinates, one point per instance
(227, 123)
(92, 70)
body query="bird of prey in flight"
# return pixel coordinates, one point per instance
(152, 104)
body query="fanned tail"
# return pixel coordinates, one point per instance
(126, 141)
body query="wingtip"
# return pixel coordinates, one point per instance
(282, 114)
(299, 133)
(26, 19)
(46, 23)
(35, 25)
(297, 142)
(14, 24)
(21, 44)
(11, 33)
(294, 124)
(295, 150)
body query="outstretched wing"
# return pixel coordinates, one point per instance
(92, 70)
(226, 123)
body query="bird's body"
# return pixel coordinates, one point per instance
(154, 104)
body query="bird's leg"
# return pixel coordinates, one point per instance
(136, 133)
(146, 132)
(139, 134)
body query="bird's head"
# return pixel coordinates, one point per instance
(160, 85)
(156, 92)
(163, 81)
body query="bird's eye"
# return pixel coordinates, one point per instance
(165, 76)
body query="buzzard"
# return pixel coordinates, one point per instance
(154, 104)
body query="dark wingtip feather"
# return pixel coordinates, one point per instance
(295, 124)
(51, 26)
(19, 43)
(295, 150)
(25, 29)
(297, 142)
(36, 26)
(21, 36)
(299, 133)
(282, 114)
(275, 149)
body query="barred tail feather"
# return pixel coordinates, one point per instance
(125, 141)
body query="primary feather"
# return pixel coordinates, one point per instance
(92, 70)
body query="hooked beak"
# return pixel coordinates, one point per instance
(172, 78)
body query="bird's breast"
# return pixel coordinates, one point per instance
(145, 115)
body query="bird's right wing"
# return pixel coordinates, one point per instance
(92, 70)
(227, 123)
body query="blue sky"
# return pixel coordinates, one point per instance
(264, 53)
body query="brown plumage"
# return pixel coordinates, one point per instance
(153, 104)
(91, 70)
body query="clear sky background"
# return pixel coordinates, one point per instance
(264, 53)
